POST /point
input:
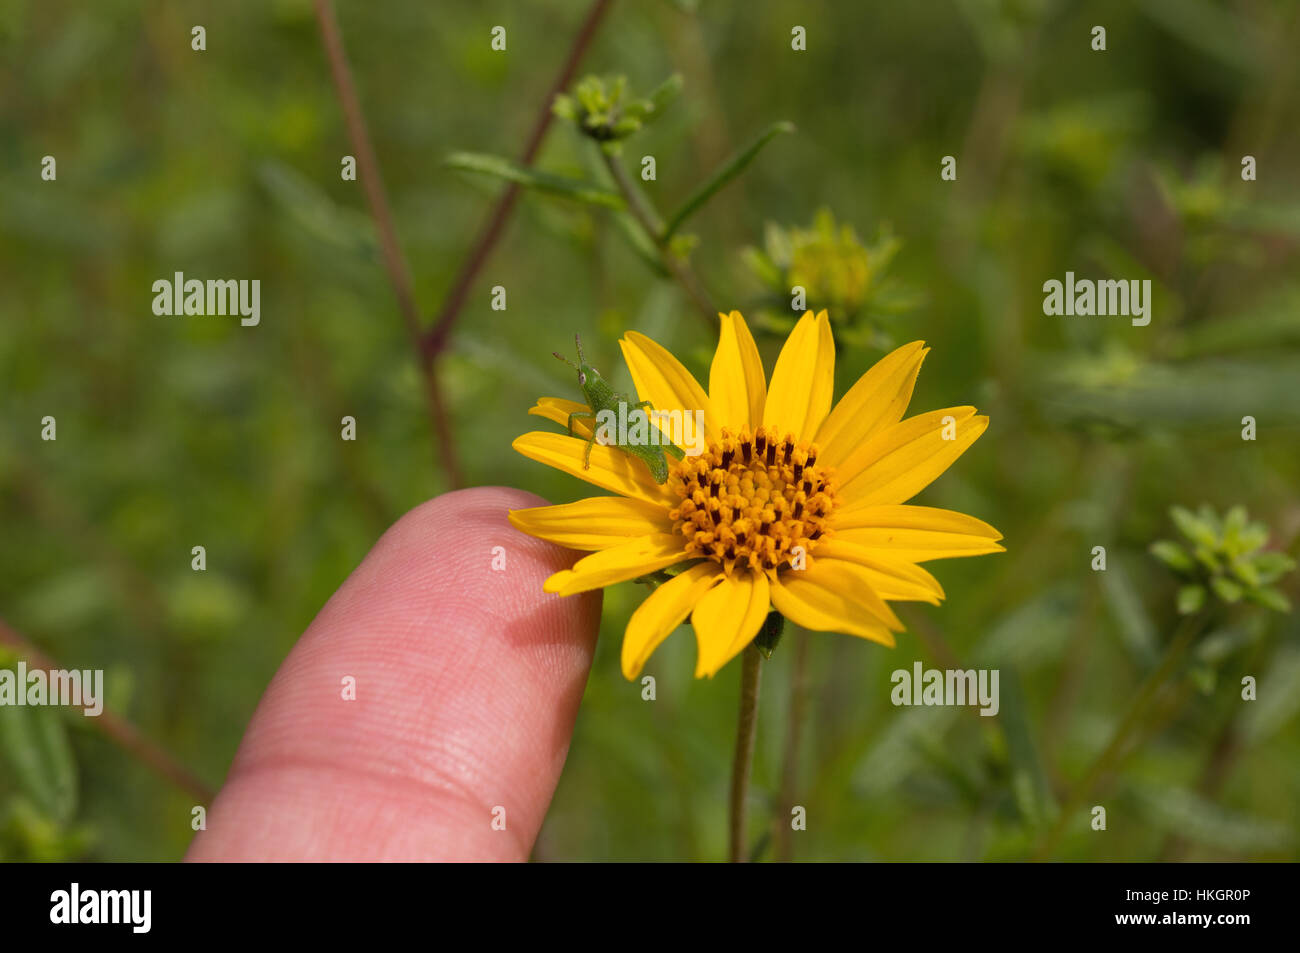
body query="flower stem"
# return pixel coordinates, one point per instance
(399, 272)
(746, 730)
(1107, 760)
(648, 219)
(435, 338)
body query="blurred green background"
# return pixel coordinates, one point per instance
(175, 432)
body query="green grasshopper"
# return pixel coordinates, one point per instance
(601, 397)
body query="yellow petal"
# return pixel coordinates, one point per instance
(558, 409)
(664, 610)
(619, 564)
(904, 459)
(916, 533)
(726, 619)
(878, 399)
(737, 387)
(610, 469)
(596, 523)
(887, 578)
(848, 579)
(661, 379)
(823, 607)
(803, 381)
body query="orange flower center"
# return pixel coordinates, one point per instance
(753, 502)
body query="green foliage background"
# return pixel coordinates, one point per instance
(175, 432)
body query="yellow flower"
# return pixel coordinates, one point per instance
(783, 480)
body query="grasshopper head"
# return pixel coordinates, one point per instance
(585, 370)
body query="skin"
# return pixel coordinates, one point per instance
(467, 681)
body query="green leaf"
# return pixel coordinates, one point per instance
(1208, 28)
(1125, 602)
(1272, 566)
(896, 751)
(1028, 780)
(1186, 395)
(1206, 557)
(1035, 632)
(664, 95)
(1251, 538)
(565, 108)
(35, 742)
(762, 266)
(779, 245)
(966, 781)
(312, 210)
(728, 171)
(29, 835)
(1272, 321)
(681, 245)
(1234, 522)
(625, 127)
(1203, 822)
(1194, 527)
(1245, 570)
(1226, 589)
(1172, 555)
(1216, 647)
(1272, 598)
(1190, 599)
(575, 189)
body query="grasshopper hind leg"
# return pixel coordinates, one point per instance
(668, 446)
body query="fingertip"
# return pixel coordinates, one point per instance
(438, 685)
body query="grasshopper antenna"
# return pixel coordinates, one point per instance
(578, 341)
(565, 359)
